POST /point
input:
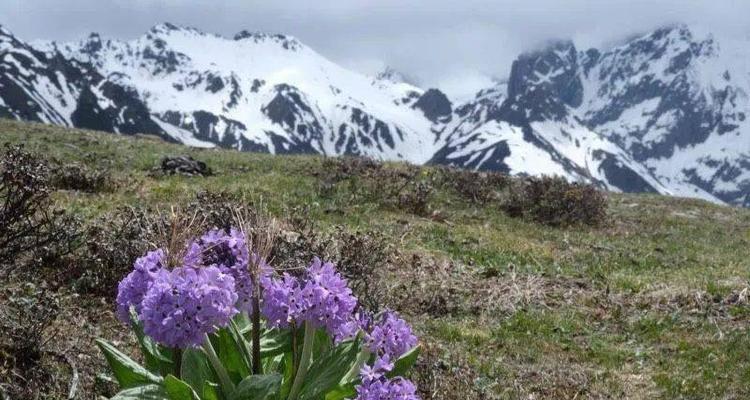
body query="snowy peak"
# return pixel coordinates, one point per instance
(666, 111)
(287, 42)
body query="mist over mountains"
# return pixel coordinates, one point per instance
(662, 112)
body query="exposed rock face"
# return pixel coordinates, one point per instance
(435, 106)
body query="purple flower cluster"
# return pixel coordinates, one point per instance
(229, 253)
(390, 337)
(376, 386)
(178, 307)
(321, 298)
(184, 304)
(361, 320)
(133, 287)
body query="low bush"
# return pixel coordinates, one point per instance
(415, 197)
(405, 187)
(477, 187)
(33, 231)
(117, 238)
(25, 318)
(82, 178)
(556, 202)
(113, 242)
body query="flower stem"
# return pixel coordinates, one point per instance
(226, 383)
(177, 362)
(257, 367)
(304, 362)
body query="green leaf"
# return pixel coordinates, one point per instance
(127, 372)
(322, 342)
(274, 342)
(288, 365)
(229, 355)
(242, 344)
(211, 391)
(145, 392)
(179, 390)
(342, 392)
(257, 387)
(402, 365)
(329, 369)
(195, 370)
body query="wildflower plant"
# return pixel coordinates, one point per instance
(218, 323)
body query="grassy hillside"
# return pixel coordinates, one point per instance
(652, 304)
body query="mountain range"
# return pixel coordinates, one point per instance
(663, 112)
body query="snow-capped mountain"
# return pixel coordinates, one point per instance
(665, 112)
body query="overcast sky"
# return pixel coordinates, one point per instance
(457, 45)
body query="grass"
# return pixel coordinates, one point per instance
(651, 305)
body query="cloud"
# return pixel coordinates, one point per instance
(438, 41)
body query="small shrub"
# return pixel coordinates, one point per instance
(405, 187)
(113, 242)
(478, 187)
(556, 202)
(362, 257)
(416, 197)
(24, 319)
(26, 315)
(216, 209)
(81, 178)
(353, 170)
(32, 230)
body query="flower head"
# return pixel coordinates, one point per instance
(281, 304)
(133, 287)
(222, 249)
(376, 386)
(228, 252)
(391, 336)
(184, 304)
(359, 321)
(321, 298)
(326, 296)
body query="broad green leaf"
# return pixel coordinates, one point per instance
(127, 372)
(145, 392)
(322, 342)
(195, 369)
(402, 365)
(178, 390)
(342, 392)
(273, 364)
(257, 387)
(275, 341)
(211, 391)
(328, 369)
(229, 355)
(242, 344)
